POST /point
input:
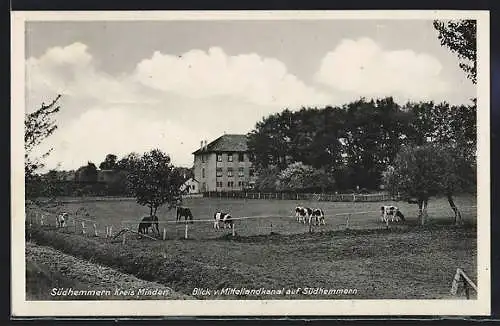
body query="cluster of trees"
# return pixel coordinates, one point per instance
(349, 147)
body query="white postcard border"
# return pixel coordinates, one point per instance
(21, 307)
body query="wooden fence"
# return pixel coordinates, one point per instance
(462, 278)
(380, 197)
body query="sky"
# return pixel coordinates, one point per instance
(138, 85)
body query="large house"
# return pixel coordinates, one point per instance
(224, 164)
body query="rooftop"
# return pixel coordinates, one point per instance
(226, 143)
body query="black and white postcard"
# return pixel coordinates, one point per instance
(250, 163)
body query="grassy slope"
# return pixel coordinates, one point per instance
(40, 280)
(47, 269)
(405, 263)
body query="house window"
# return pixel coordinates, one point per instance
(219, 157)
(252, 172)
(240, 183)
(230, 157)
(241, 172)
(219, 184)
(202, 172)
(229, 172)
(241, 157)
(230, 184)
(202, 158)
(219, 172)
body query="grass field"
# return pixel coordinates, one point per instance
(406, 262)
(279, 219)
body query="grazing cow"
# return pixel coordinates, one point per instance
(391, 212)
(303, 213)
(318, 215)
(184, 212)
(61, 220)
(225, 218)
(149, 222)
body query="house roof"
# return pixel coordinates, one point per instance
(226, 143)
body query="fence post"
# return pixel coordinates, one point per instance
(95, 230)
(186, 232)
(466, 287)
(271, 227)
(41, 219)
(347, 222)
(164, 234)
(124, 237)
(234, 233)
(83, 227)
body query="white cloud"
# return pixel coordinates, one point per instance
(362, 68)
(119, 130)
(250, 77)
(199, 96)
(71, 71)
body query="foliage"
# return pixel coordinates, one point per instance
(87, 173)
(429, 170)
(355, 143)
(299, 177)
(153, 180)
(267, 179)
(38, 126)
(109, 162)
(460, 37)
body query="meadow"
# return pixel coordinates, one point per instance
(405, 262)
(265, 216)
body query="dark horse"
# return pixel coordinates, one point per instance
(149, 222)
(184, 212)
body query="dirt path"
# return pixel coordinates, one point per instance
(83, 276)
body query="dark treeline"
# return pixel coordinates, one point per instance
(85, 181)
(349, 147)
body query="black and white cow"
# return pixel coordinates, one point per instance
(318, 215)
(61, 220)
(303, 214)
(225, 218)
(391, 213)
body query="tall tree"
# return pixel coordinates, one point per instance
(426, 171)
(460, 37)
(153, 180)
(416, 173)
(38, 125)
(87, 173)
(109, 162)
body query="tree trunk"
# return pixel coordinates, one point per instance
(458, 216)
(420, 211)
(156, 208)
(150, 210)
